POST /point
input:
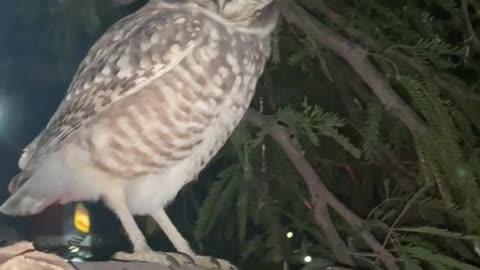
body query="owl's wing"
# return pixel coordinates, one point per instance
(132, 53)
(28, 153)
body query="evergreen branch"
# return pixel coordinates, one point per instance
(218, 198)
(439, 232)
(351, 87)
(417, 65)
(372, 130)
(321, 195)
(436, 258)
(357, 58)
(407, 206)
(473, 36)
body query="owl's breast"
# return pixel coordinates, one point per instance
(161, 137)
(187, 112)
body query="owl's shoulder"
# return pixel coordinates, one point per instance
(132, 53)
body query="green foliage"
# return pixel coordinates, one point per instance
(438, 261)
(312, 121)
(439, 232)
(219, 200)
(372, 132)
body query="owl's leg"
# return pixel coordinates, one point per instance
(172, 260)
(141, 250)
(185, 255)
(178, 241)
(116, 202)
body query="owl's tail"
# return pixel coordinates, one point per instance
(33, 191)
(23, 201)
(21, 204)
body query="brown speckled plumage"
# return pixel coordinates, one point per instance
(154, 99)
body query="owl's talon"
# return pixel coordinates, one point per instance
(176, 260)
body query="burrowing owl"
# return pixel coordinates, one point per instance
(152, 102)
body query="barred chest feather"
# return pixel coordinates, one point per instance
(173, 127)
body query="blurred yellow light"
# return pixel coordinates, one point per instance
(289, 234)
(81, 218)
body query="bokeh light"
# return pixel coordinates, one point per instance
(307, 259)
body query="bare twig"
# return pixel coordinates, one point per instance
(338, 246)
(407, 207)
(318, 191)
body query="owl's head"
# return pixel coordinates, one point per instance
(240, 9)
(244, 13)
(233, 10)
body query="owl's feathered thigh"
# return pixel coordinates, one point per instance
(145, 112)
